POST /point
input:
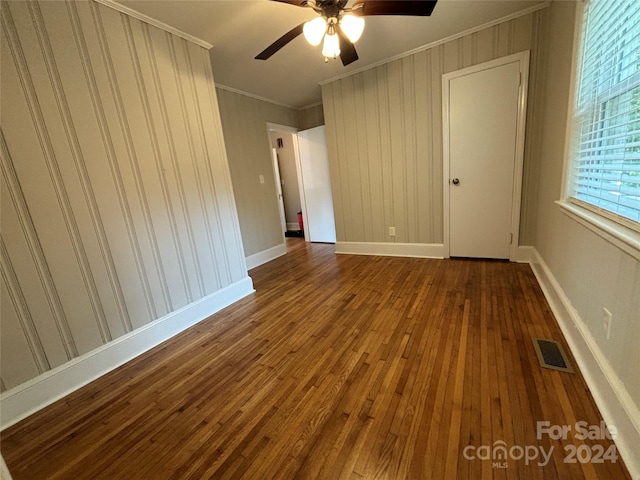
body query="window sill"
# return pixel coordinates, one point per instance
(622, 237)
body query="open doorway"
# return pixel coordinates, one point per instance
(283, 148)
(303, 184)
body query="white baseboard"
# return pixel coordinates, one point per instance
(616, 405)
(419, 250)
(524, 254)
(265, 256)
(28, 398)
(293, 227)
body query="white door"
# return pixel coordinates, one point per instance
(485, 121)
(319, 224)
(276, 174)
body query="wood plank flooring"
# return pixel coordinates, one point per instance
(337, 367)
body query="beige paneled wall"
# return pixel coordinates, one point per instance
(117, 204)
(244, 121)
(384, 133)
(310, 117)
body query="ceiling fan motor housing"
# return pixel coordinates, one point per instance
(333, 10)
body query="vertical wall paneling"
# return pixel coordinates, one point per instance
(117, 207)
(151, 63)
(41, 179)
(369, 119)
(397, 164)
(332, 150)
(192, 202)
(98, 279)
(354, 168)
(436, 218)
(130, 122)
(16, 343)
(164, 209)
(484, 45)
(357, 139)
(218, 172)
(21, 309)
(35, 276)
(206, 190)
(384, 130)
(118, 216)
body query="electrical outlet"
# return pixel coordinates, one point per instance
(392, 231)
(261, 178)
(606, 321)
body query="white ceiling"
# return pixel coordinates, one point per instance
(240, 29)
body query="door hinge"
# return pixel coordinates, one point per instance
(511, 239)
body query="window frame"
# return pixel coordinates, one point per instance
(618, 230)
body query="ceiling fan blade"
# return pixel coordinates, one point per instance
(414, 8)
(348, 52)
(297, 3)
(279, 43)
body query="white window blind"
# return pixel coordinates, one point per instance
(605, 159)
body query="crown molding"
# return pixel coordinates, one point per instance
(152, 21)
(256, 97)
(316, 104)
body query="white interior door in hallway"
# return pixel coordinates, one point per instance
(319, 222)
(484, 114)
(278, 178)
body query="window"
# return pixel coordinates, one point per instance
(605, 155)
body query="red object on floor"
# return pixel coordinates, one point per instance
(300, 222)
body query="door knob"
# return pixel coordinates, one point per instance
(456, 181)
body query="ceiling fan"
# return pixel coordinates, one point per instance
(341, 26)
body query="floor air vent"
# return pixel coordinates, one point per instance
(551, 355)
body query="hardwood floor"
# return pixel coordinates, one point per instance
(343, 366)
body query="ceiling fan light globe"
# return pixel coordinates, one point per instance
(352, 27)
(314, 30)
(331, 46)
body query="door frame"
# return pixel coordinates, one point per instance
(523, 59)
(275, 127)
